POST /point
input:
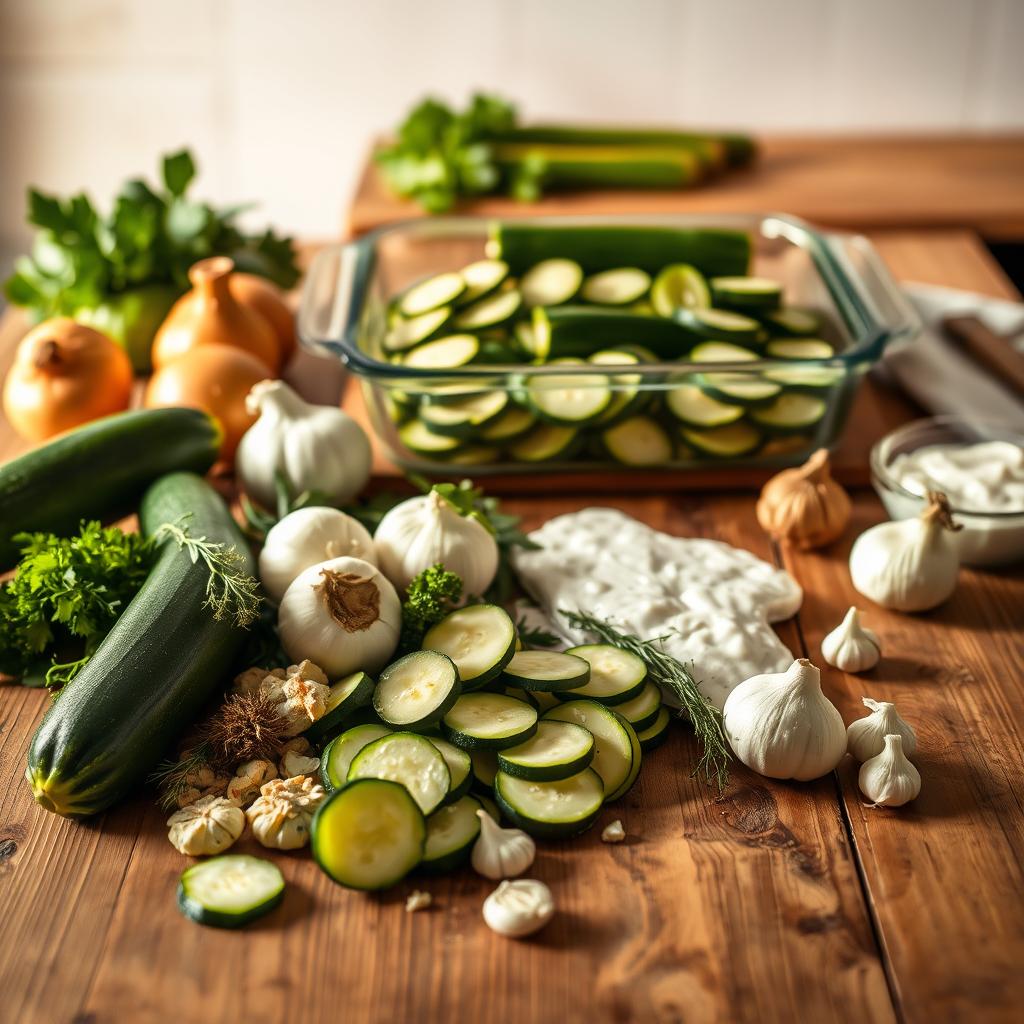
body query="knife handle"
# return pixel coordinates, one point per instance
(989, 349)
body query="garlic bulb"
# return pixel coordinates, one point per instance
(313, 447)
(865, 738)
(300, 702)
(804, 507)
(908, 564)
(783, 726)
(851, 647)
(306, 537)
(282, 815)
(501, 852)
(343, 614)
(293, 764)
(888, 779)
(428, 530)
(210, 825)
(250, 776)
(519, 908)
(256, 679)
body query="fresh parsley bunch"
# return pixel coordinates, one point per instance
(430, 596)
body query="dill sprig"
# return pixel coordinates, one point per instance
(230, 590)
(669, 672)
(174, 777)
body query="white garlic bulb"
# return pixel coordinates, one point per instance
(306, 537)
(428, 530)
(519, 908)
(783, 726)
(282, 816)
(851, 647)
(210, 825)
(910, 565)
(250, 777)
(501, 852)
(300, 703)
(293, 764)
(342, 614)
(865, 738)
(888, 779)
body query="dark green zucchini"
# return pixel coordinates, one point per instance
(99, 470)
(582, 331)
(149, 679)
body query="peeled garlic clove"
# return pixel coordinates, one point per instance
(889, 779)
(418, 900)
(519, 908)
(501, 852)
(865, 738)
(613, 833)
(851, 647)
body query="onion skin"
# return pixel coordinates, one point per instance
(268, 300)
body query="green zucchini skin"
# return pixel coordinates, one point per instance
(151, 676)
(99, 470)
(581, 331)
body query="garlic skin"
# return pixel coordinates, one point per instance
(501, 852)
(307, 537)
(519, 908)
(865, 738)
(428, 530)
(909, 565)
(208, 826)
(888, 779)
(282, 816)
(342, 614)
(783, 727)
(315, 447)
(851, 647)
(250, 776)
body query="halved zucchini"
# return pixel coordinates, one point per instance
(718, 325)
(347, 696)
(410, 760)
(481, 278)
(655, 734)
(339, 754)
(446, 353)
(415, 691)
(464, 417)
(230, 891)
(756, 294)
(638, 441)
(480, 639)
(799, 348)
(613, 749)
(679, 286)
(642, 710)
(489, 721)
(555, 751)
(615, 675)
(551, 282)
(551, 810)
(729, 442)
(618, 287)
(405, 334)
(451, 832)
(543, 443)
(488, 312)
(689, 403)
(547, 670)
(439, 290)
(791, 413)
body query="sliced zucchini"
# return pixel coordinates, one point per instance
(474, 455)
(613, 745)
(615, 675)
(697, 408)
(514, 423)
(341, 751)
(480, 639)
(488, 312)
(419, 438)
(369, 835)
(546, 670)
(638, 441)
(791, 413)
(485, 766)
(551, 810)
(729, 442)
(721, 352)
(546, 700)
(481, 278)
(627, 396)
(718, 325)
(792, 322)
(634, 772)
(570, 399)
(808, 378)
(406, 334)
(489, 721)
(518, 693)
(551, 282)
(555, 751)
(799, 348)
(739, 388)
(643, 709)
(464, 417)
(460, 768)
(441, 290)
(446, 353)
(451, 833)
(656, 733)
(230, 891)
(347, 696)
(415, 691)
(543, 443)
(410, 760)
(619, 287)
(679, 286)
(755, 294)
(525, 338)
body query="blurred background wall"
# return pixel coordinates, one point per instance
(279, 100)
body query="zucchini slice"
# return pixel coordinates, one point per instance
(551, 810)
(546, 670)
(485, 766)
(791, 413)
(415, 692)
(551, 282)
(615, 675)
(513, 424)
(433, 293)
(481, 278)
(474, 455)
(347, 696)
(230, 891)
(689, 403)
(724, 442)
(368, 835)
(718, 325)
(406, 334)
(679, 286)
(739, 388)
(419, 438)
(800, 348)
(491, 721)
(756, 294)
(638, 441)
(480, 639)
(643, 709)
(792, 322)
(446, 353)
(808, 378)
(546, 700)
(340, 752)
(634, 771)
(613, 745)
(544, 442)
(627, 396)
(451, 832)
(722, 352)
(656, 733)
(410, 760)
(519, 694)
(465, 416)
(488, 312)
(555, 751)
(460, 768)
(571, 399)
(619, 287)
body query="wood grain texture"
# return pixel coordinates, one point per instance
(861, 182)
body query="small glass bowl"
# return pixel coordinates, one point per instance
(987, 538)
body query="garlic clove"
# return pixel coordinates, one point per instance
(889, 779)
(501, 852)
(519, 908)
(851, 647)
(613, 833)
(418, 900)
(865, 738)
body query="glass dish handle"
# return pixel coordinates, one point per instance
(332, 296)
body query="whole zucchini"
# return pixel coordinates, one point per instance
(154, 672)
(99, 470)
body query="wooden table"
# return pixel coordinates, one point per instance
(774, 902)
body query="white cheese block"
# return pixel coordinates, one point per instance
(714, 602)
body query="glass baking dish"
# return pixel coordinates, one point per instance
(345, 312)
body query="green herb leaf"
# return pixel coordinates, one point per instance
(429, 597)
(532, 636)
(179, 169)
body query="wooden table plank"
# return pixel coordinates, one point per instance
(862, 182)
